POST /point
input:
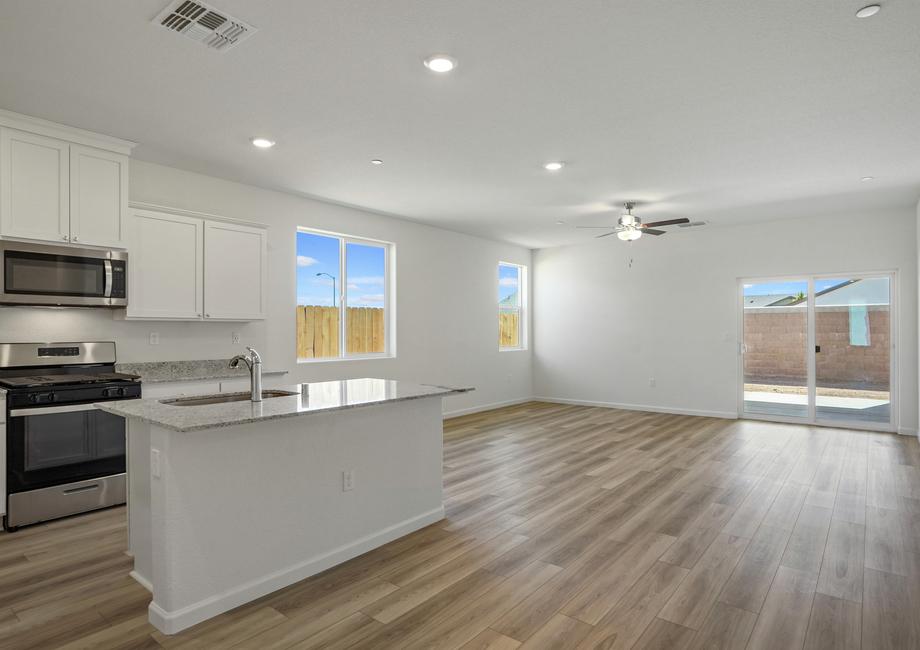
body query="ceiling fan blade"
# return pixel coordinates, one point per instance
(607, 234)
(669, 222)
(652, 231)
(595, 227)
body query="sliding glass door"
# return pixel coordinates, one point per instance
(775, 358)
(818, 349)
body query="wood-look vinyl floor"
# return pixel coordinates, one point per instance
(568, 527)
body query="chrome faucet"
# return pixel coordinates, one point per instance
(254, 363)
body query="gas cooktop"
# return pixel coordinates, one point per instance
(35, 381)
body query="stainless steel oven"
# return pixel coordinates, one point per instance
(63, 456)
(39, 274)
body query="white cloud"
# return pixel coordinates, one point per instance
(317, 301)
(376, 297)
(354, 287)
(325, 282)
(368, 279)
(303, 260)
(508, 282)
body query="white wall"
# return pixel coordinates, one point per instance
(447, 331)
(602, 330)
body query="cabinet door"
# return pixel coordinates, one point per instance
(98, 196)
(34, 186)
(165, 266)
(235, 269)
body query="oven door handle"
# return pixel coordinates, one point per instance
(107, 292)
(48, 410)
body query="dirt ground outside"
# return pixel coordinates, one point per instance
(824, 392)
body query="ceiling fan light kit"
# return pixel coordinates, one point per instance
(631, 228)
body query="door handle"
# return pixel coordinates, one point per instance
(85, 488)
(107, 265)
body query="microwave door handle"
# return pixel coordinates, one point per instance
(107, 264)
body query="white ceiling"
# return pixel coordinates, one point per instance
(725, 110)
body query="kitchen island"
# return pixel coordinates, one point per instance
(232, 500)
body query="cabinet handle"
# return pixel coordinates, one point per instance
(199, 315)
(207, 315)
(75, 239)
(65, 237)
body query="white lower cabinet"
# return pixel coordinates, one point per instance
(189, 268)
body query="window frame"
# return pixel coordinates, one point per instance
(522, 309)
(389, 290)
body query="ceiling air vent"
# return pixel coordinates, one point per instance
(201, 22)
(692, 224)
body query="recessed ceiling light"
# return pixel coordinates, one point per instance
(560, 223)
(554, 166)
(440, 63)
(868, 11)
(865, 179)
(376, 161)
(263, 143)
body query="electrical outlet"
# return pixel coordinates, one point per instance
(155, 463)
(235, 338)
(652, 383)
(154, 338)
(348, 480)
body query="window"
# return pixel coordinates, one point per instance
(337, 319)
(511, 303)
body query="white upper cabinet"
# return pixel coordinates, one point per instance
(34, 186)
(189, 267)
(166, 266)
(61, 184)
(235, 267)
(98, 196)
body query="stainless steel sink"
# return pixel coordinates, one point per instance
(223, 398)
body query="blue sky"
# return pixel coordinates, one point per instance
(508, 278)
(365, 270)
(787, 288)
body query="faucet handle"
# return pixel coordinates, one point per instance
(255, 355)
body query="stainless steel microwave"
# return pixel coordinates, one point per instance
(40, 274)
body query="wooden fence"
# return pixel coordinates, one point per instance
(318, 331)
(508, 329)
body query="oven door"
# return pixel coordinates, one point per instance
(56, 275)
(54, 445)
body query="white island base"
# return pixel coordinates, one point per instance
(237, 512)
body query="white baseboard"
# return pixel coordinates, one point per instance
(171, 622)
(487, 407)
(728, 415)
(907, 431)
(142, 581)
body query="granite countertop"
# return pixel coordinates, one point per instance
(153, 372)
(318, 397)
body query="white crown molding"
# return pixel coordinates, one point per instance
(63, 132)
(154, 207)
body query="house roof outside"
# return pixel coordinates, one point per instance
(872, 292)
(511, 300)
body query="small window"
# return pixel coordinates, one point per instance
(511, 305)
(336, 318)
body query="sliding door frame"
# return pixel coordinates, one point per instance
(811, 419)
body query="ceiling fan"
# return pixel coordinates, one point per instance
(631, 227)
